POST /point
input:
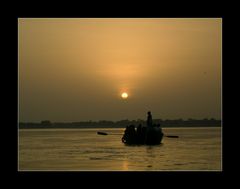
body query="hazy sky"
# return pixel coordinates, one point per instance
(76, 69)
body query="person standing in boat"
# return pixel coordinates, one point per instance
(149, 119)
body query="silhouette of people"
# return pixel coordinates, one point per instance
(149, 119)
(139, 133)
(139, 129)
(130, 135)
(159, 126)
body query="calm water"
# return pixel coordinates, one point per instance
(83, 149)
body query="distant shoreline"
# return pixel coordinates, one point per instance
(113, 127)
(41, 127)
(109, 127)
(121, 124)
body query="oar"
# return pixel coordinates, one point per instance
(103, 133)
(171, 136)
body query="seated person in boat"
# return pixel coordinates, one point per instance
(130, 135)
(159, 126)
(141, 132)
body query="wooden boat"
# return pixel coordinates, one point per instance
(143, 136)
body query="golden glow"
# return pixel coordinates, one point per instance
(162, 64)
(124, 95)
(125, 165)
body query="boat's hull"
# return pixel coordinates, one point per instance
(148, 136)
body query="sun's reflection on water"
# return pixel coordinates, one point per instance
(125, 165)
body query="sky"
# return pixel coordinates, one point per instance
(75, 69)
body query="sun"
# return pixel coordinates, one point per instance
(124, 95)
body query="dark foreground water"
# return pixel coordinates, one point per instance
(83, 150)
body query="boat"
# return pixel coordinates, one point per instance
(143, 136)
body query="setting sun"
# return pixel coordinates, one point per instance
(124, 95)
(104, 88)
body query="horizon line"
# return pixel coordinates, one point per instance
(216, 119)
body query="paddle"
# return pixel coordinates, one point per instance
(103, 133)
(171, 136)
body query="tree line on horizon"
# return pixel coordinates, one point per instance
(122, 123)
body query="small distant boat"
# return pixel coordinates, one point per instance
(147, 136)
